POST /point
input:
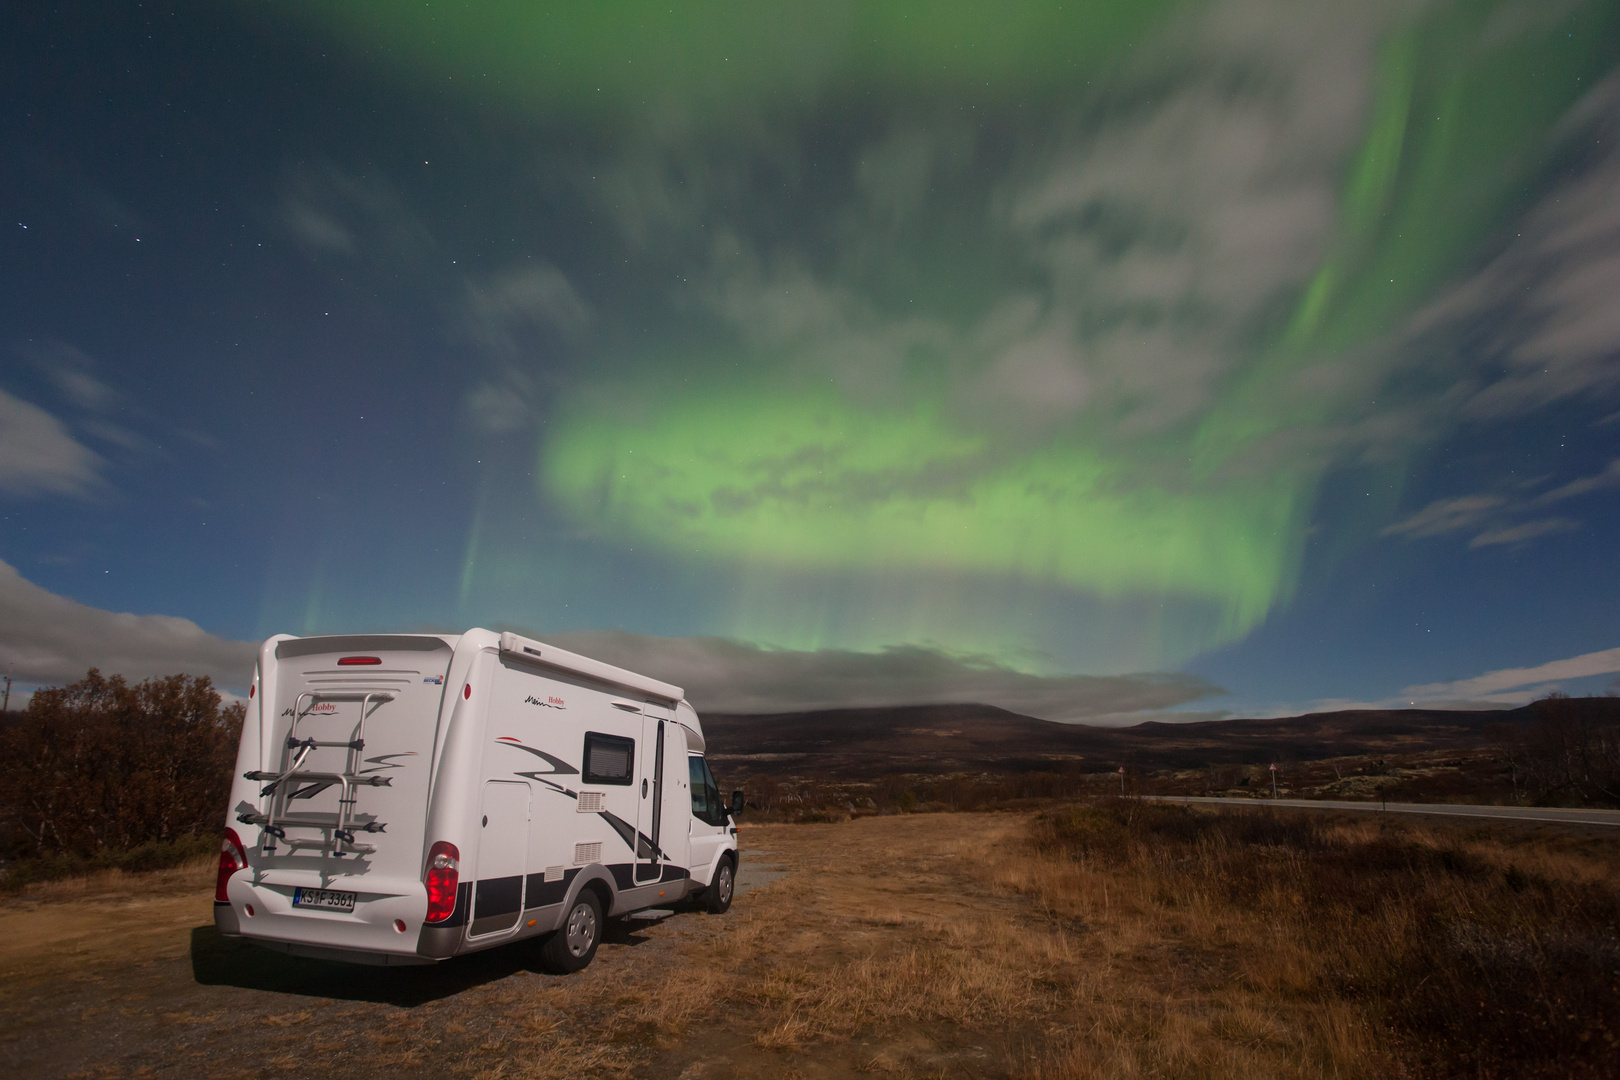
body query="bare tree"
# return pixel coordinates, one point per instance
(1572, 751)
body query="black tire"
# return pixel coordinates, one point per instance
(721, 889)
(572, 946)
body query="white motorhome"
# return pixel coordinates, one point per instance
(401, 799)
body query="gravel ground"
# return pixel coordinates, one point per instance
(126, 976)
(133, 980)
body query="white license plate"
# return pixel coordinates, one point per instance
(325, 899)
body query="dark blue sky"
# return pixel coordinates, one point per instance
(1273, 347)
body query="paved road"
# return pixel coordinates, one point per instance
(1512, 813)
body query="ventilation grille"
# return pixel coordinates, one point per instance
(587, 853)
(554, 873)
(592, 802)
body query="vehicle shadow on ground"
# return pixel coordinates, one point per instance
(217, 960)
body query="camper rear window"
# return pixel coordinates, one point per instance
(609, 759)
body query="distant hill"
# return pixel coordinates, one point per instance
(937, 739)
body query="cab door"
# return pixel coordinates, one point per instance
(709, 819)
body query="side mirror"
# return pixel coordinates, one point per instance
(736, 803)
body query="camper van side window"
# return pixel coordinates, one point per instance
(717, 808)
(700, 788)
(706, 804)
(609, 759)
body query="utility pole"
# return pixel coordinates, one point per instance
(1273, 767)
(1122, 781)
(7, 706)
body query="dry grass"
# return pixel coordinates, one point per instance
(187, 877)
(872, 946)
(1115, 939)
(1128, 940)
(67, 927)
(1307, 946)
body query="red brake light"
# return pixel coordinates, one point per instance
(443, 870)
(232, 858)
(350, 661)
(466, 692)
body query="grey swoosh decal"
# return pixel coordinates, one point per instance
(541, 778)
(382, 762)
(559, 767)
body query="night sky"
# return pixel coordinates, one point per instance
(1090, 359)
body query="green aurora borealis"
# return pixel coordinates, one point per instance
(793, 452)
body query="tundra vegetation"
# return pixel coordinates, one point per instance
(1558, 751)
(1097, 939)
(1070, 933)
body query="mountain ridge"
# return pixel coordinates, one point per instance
(974, 738)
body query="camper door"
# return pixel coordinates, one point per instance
(655, 751)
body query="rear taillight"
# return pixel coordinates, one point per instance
(231, 859)
(443, 870)
(351, 661)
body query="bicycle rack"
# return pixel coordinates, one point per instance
(285, 783)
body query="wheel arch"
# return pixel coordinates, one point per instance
(724, 852)
(595, 878)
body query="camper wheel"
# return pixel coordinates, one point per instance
(573, 944)
(720, 890)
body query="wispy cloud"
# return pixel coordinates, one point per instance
(72, 370)
(1529, 530)
(501, 308)
(1608, 478)
(1150, 234)
(728, 676)
(37, 455)
(516, 317)
(1546, 303)
(1468, 512)
(1447, 515)
(316, 230)
(46, 638)
(500, 405)
(1496, 682)
(330, 211)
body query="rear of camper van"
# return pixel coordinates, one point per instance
(401, 799)
(330, 798)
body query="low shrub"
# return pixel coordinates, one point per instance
(1470, 965)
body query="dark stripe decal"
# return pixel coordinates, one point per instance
(498, 896)
(559, 767)
(635, 841)
(542, 892)
(624, 875)
(626, 831)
